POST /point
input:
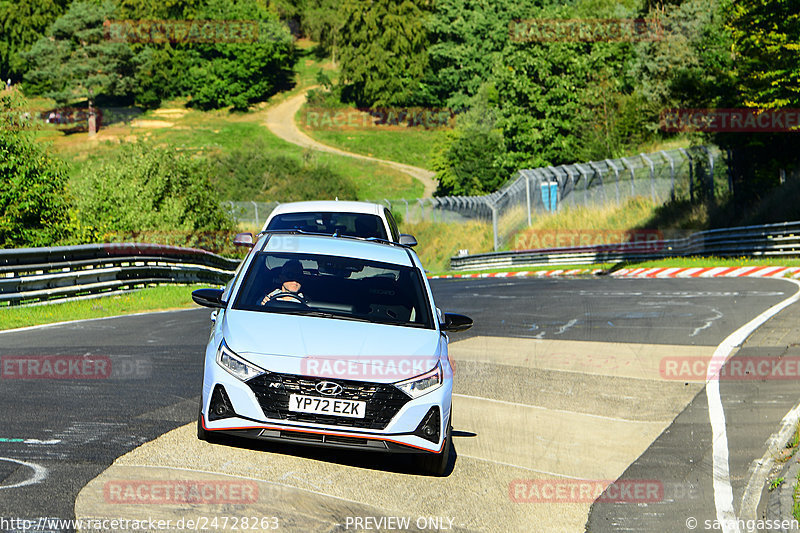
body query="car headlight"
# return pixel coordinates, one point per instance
(422, 384)
(235, 365)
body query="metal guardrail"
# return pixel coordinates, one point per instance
(35, 275)
(768, 240)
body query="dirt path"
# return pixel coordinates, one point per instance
(280, 121)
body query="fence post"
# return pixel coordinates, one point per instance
(616, 177)
(255, 208)
(730, 170)
(633, 175)
(652, 177)
(493, 207)
(585, 183)
(406, 202)
(421, 209)
(568, 169)
(528, 195)
(691, 172)
(599, 173)
(710, 171)
(671, 175)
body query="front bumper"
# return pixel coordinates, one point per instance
(392, 421)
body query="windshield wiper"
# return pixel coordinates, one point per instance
(325, 314)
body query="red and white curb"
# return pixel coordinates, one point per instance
(659, 272)
(710, 272)
(525, 273)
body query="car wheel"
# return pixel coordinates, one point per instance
(203, 434)
(437, 463)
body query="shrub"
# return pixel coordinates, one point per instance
(34, 209)
(149, 188)
(250, 172)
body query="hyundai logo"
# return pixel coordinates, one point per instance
(328, 388)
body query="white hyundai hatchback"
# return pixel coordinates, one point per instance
(330, 341)
(357, 219)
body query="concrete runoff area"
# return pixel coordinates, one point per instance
(507, 443)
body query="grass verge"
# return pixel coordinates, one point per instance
(150, 299)
(409, 145)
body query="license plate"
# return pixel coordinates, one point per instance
(326, 406)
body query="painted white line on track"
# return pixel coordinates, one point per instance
(723, 492)
(39, 474)
(564, 411)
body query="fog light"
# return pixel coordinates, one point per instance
(428, 429)
(220, 406)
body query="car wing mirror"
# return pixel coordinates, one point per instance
(408, 240)
(455, 322)
(243, 239)
(209, 298)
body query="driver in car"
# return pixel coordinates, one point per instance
(289, 290)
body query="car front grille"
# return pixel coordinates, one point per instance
(382, 401)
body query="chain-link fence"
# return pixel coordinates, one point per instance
(661, 176)
(252, 214)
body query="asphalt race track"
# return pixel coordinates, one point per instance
(562, 386)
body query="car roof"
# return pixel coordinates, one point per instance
(290, 242)
(335, 206)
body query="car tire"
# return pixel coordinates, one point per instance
(203, 434)
(437, 463)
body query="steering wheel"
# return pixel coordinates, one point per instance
(286, 294)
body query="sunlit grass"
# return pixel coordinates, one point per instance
(149, 299)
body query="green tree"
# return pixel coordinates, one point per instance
(766, 75)
(322, 22)
(539, 86)
(239, 74)
(22, 23)
(76, 61)
(465, 38)
(34, 209)
(466, 160)
(383, 56)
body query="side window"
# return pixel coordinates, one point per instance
(392, 225)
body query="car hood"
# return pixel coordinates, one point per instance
(331, 348)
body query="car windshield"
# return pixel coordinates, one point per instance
(352, 224)
(335, 287)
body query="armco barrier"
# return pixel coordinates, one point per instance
(31, 275)
(770, 240)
